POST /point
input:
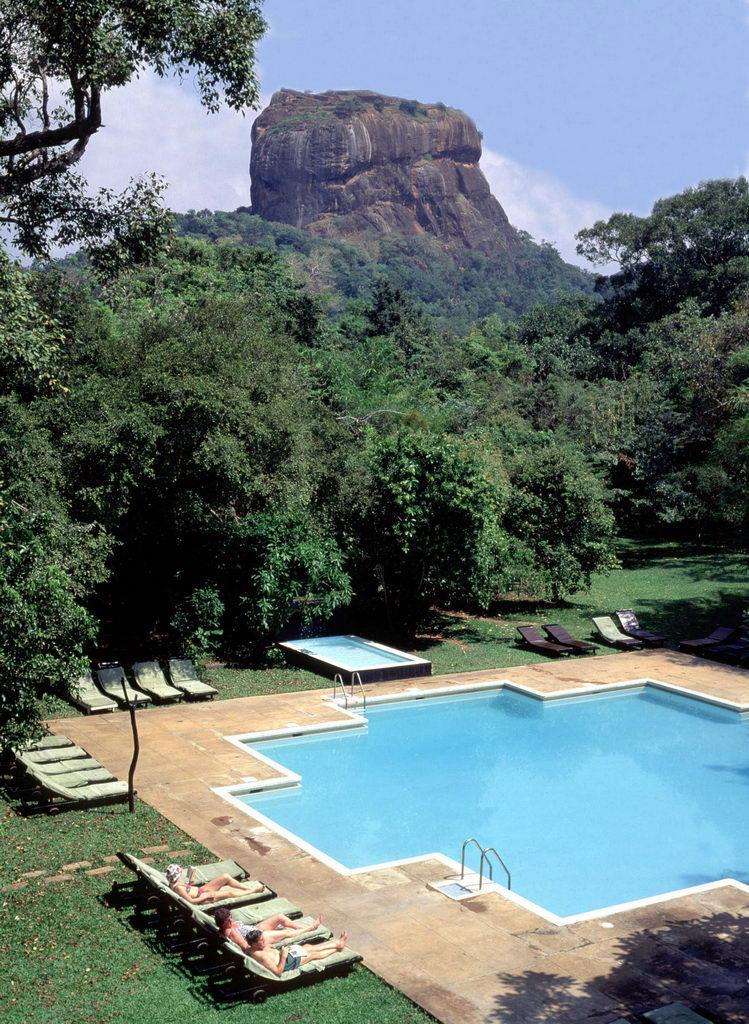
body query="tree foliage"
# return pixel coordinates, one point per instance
(57, 62)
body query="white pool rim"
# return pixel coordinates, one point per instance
(351, 720)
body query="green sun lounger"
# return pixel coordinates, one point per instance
(150, 679)
(157, 881)
(81, 793)
(85, 695)
(613, 636)
(110, 680)
(57, 767)
(184, 676)
(266, 980)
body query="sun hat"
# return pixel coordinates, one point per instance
(173, 873)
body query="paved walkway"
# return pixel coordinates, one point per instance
(487, 959)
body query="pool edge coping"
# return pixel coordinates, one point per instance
(289, 779)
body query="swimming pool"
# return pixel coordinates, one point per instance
(591, 801)
(347, 654)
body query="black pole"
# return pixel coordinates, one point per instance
(136, 750)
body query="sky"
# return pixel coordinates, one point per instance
(586, 106)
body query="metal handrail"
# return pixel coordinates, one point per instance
(356, 678)
(485, 857)
(479, 847)
(338, 681)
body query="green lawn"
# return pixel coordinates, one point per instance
(675, 590)
(679, 593)
(68, 957)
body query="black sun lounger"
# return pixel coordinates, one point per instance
(720, 635)
(533, 639)
(732, 653)
(560, 636)
(629, 623)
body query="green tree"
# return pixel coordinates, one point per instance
(57, 61)
(560, 525)
(430, 533)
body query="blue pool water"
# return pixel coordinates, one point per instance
(591, 802)
(349, 652)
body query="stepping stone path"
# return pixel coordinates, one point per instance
(84, 867)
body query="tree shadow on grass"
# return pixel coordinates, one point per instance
(702, 961)
(719, 565)
(687, 617)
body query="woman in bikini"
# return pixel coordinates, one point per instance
(223, 887)
(276, 927)
(261, 948)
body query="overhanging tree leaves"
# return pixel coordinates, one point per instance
(57, 61)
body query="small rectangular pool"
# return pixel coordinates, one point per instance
(591, 801)
(375, 663)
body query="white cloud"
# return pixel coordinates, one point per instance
(540, 204)
(156, 124)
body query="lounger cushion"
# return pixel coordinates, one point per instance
(55, 754)
(50, 743)
(102, 790)
(206, 872)
(196, 688)
(151, 679)
(111, 679)
(80, 764)
(72, 780)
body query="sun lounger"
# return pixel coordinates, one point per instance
(85, 695)
(560, 636)
(184, 676)
(613, 636)
(630, 625)
(150, 679)
(156, 880)
(720, 635)
(263, 981)
(76, 789)
(732, 653)
(110, 680)
(533, 639)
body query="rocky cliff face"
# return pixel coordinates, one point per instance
(347, 163)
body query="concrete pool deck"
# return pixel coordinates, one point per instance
(482, 960)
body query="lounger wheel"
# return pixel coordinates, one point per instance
(258, 995)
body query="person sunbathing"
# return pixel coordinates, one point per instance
(289, 957)
(223, 887)
(276, 927)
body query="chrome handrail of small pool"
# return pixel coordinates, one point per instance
(478, 846)
(356, 677)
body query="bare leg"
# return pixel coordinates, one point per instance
(280, 921)
(324, 949)
(227, 882)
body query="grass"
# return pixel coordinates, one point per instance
(70, 954)
(675, 590)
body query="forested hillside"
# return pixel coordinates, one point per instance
(210, 451)
(454, 286)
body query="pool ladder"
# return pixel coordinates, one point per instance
(486, 858)
(354, 681)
